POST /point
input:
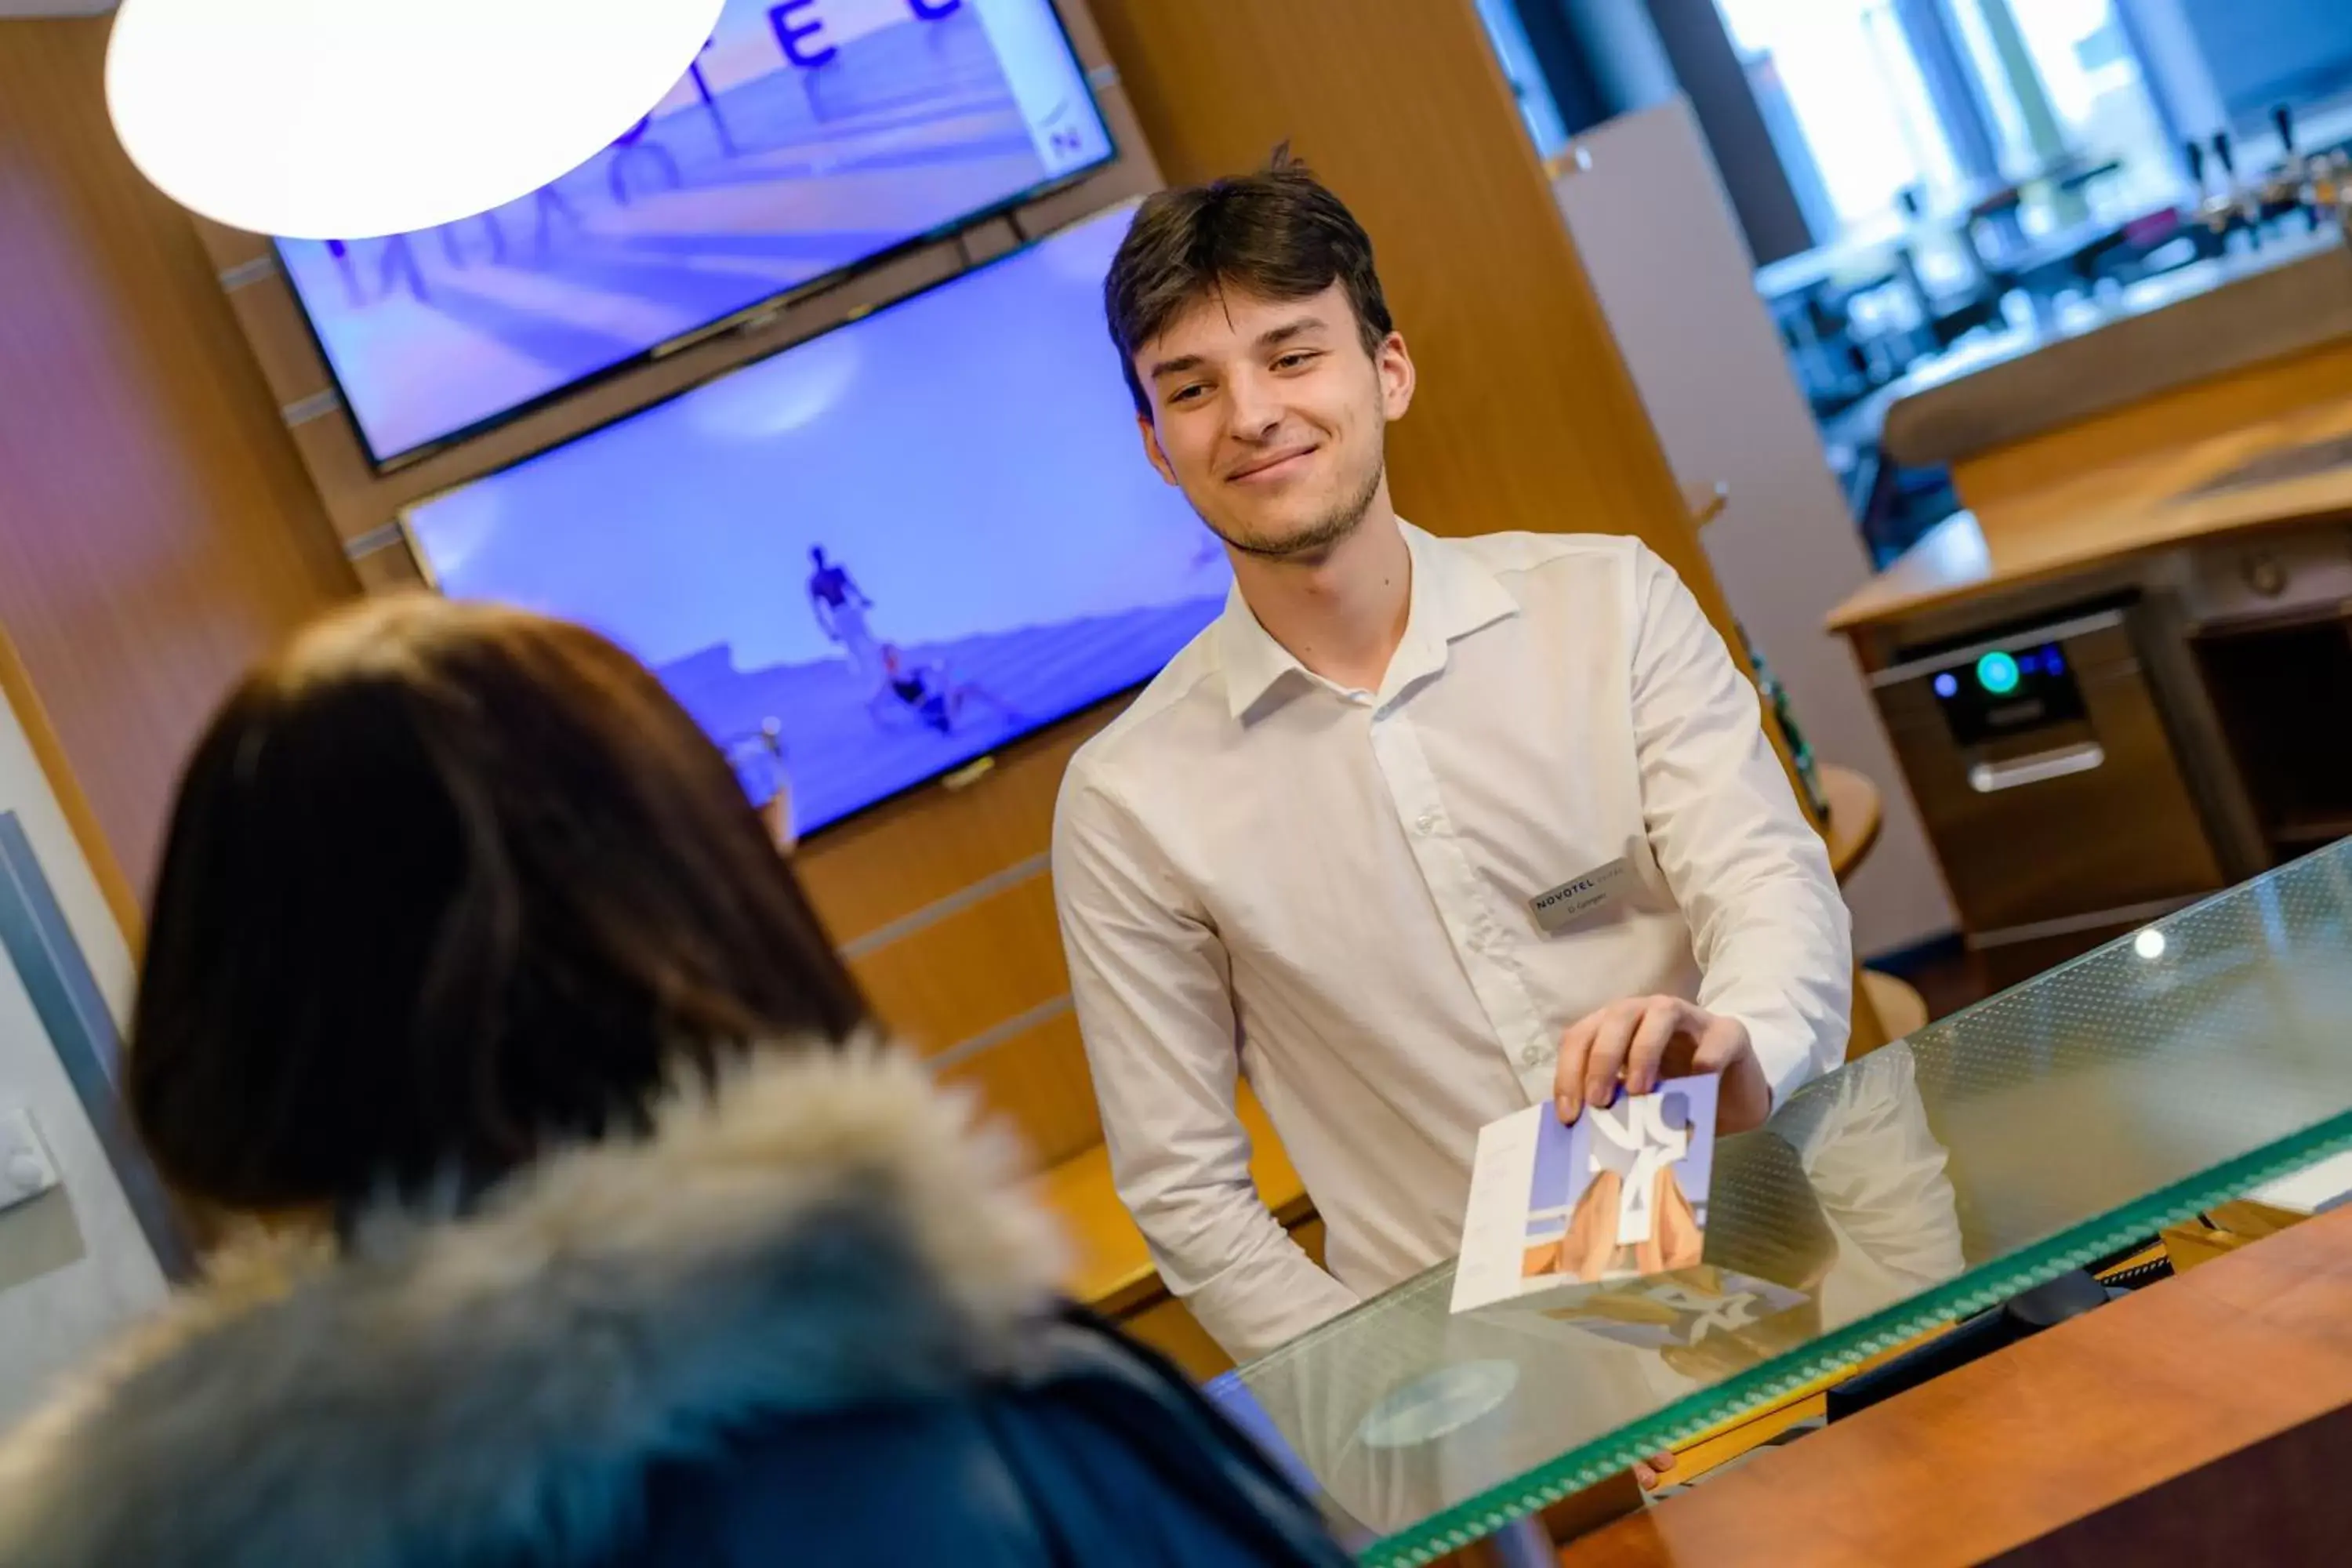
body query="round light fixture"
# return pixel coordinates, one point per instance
(2150, 944)
(347, 119)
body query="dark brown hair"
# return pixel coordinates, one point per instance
(443, 884)
(1279, 234)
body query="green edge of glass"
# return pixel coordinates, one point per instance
(1973, 1292)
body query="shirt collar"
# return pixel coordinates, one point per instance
(1452, 596)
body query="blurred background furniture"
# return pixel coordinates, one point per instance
(2117, 681)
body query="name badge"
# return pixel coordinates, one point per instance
(1573, 899)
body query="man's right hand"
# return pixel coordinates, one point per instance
(1641, 1039)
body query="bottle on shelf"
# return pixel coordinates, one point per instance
(2240, 206)
(2286, 190)
(2213, 210)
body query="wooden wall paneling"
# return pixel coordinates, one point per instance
(970, 970)
(157, 533)
(905, 855)
(283, 349)
(392, 571)
(17, 689)
(358, 501)
(1037, 1082)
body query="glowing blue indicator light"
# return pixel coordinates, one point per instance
(1947, 684)
(1997, 673)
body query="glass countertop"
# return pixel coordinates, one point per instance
(2052, 1125)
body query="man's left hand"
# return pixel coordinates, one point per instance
(1641, 1039)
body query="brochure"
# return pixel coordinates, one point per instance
(1560, 1215)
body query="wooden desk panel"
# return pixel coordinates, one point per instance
(2116, 486)
(2204, 1419)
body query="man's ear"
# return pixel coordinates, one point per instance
(1394, 366)
(1151, 448)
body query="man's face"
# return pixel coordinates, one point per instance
(1272, 417)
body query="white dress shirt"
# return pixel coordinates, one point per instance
(1328, 891)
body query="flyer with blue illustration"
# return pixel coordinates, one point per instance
(1602, 1222)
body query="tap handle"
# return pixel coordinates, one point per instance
(2195, 152)
(2222, 154)
(2283, 116)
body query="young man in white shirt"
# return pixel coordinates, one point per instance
(1420, 830)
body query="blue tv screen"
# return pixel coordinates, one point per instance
(877, 554)
(809, 136)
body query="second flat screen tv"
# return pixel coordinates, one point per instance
(877, 554)
(811, 136)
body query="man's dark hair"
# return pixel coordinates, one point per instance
(1278, 233)
(448, 885)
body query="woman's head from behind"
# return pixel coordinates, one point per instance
(443, 884)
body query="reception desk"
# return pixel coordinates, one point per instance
(2059, 1125)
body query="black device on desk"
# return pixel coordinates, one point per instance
(2002, 693)
(2028, 1313)
(2045, 772)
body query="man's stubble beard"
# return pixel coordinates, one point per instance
(1325, 535)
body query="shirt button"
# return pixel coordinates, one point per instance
(1532, 1056)
(1426, 821)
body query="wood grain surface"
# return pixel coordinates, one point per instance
(2201, 1420)
(157, 533)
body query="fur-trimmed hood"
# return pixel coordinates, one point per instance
(827, 1230)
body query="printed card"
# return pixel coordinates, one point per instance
(1561, 1213)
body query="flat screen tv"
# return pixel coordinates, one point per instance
(811, 137)
(876, 555)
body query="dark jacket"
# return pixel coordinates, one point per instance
(810, 1318)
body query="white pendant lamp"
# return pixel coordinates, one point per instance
(349, 119)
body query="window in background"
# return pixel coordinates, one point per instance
(1524, 76)
(1840, 74)
(2061, 83)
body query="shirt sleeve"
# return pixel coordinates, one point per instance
(1769, 927)
(1152, 986)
